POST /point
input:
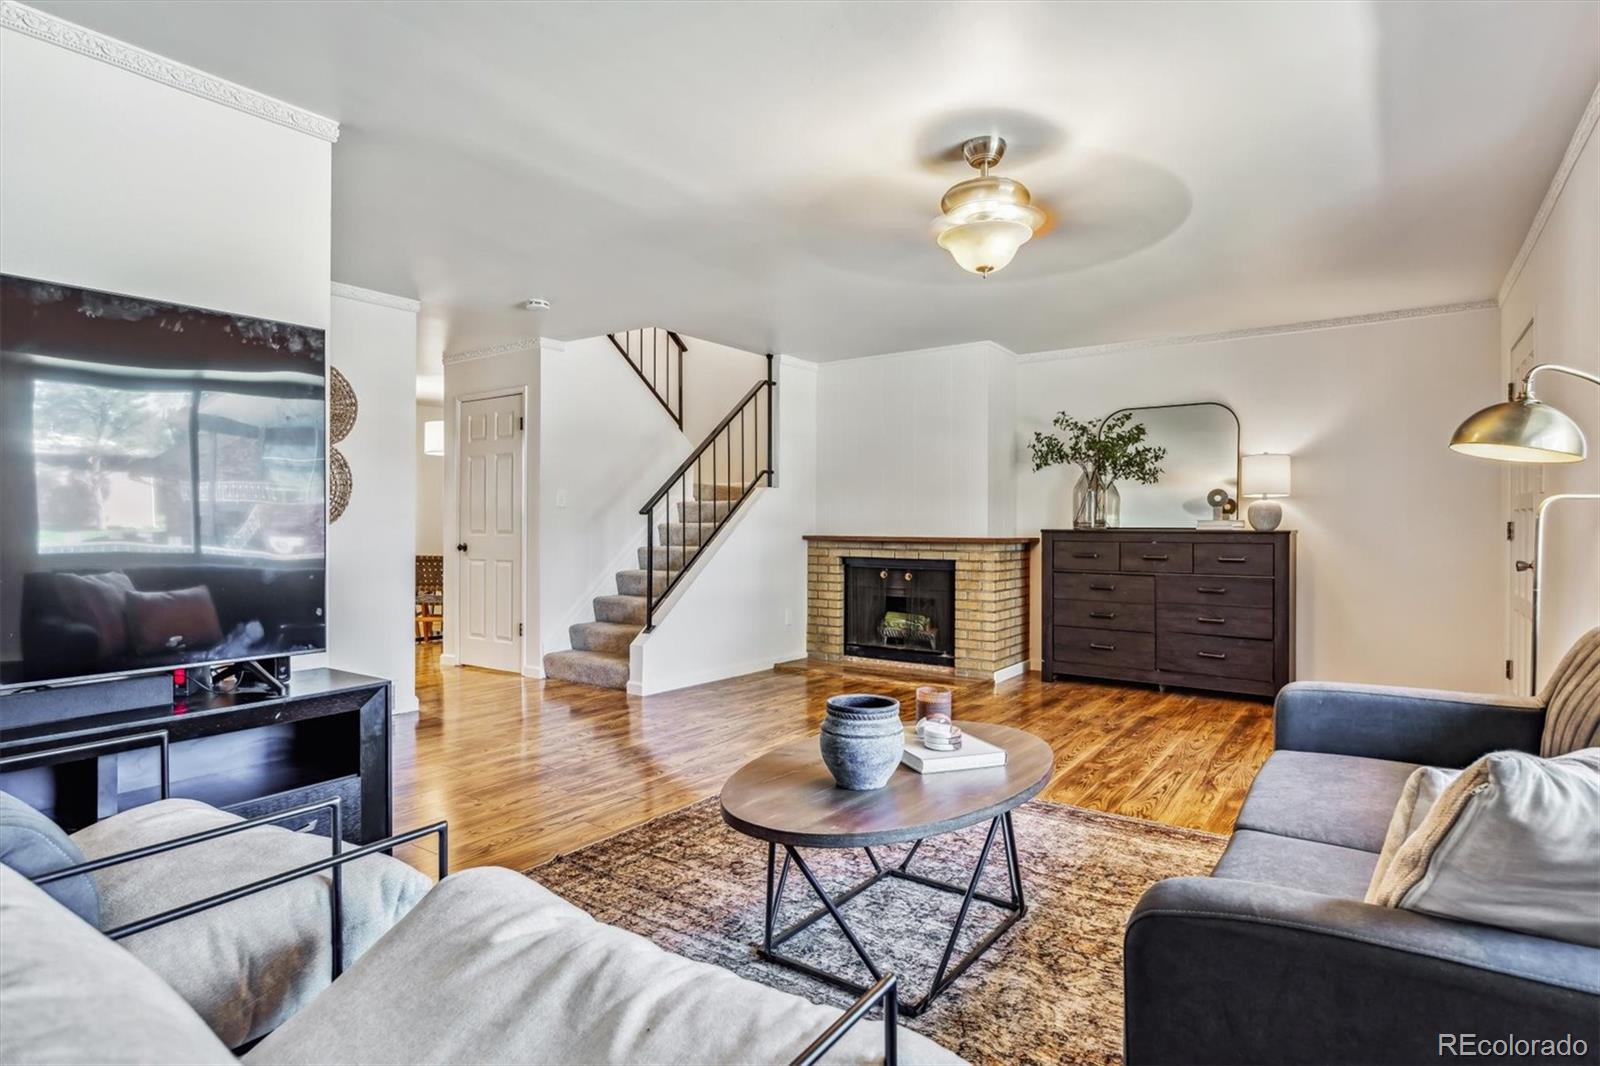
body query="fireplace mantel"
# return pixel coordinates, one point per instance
(991, 600)
(853, 538)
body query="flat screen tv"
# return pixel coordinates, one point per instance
(162, 485)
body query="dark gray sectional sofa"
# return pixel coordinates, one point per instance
(1274, 958)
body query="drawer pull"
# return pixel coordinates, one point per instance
(1212, 654)
(1211, 621)
(1086, 555)
(1155, 558)
(1232, 559)
(1104, 588)
(1103, 647)
(1211, 590)
(1107, 615)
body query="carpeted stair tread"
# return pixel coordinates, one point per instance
(707, 511)
(666, 557)
(707, 491)
(632, 582)
(611, 637)
(676, 534)
(598, 668)
(628, 609)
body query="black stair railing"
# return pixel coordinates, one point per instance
(656, 355)
(707, 491)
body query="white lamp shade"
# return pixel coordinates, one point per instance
(433, 438)
(1264, 475)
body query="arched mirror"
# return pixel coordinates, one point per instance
(1202, 443)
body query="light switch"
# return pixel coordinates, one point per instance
(561, 497)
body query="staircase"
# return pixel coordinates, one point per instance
(599, 654)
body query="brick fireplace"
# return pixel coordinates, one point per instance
(990, 625)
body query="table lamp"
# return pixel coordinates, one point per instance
(1265, 476)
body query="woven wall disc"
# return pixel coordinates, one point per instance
(340, 484)
(342, 406)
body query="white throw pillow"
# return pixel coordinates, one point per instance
(1514, 841)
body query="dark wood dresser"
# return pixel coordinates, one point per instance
(1202, 610)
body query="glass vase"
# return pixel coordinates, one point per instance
(1111, 507)
(1088, 503)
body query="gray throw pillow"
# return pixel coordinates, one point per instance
(32, 844)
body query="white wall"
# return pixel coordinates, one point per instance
(605, 445)
(744, 608)
(515, 371)
(905, 443)
(715, 377)
(109, 180)
(430, 487)
(1400, 539)
(371, 548)
(1558, 290)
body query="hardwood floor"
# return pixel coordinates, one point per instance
(525, 770)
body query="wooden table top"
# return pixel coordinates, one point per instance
(787, 795)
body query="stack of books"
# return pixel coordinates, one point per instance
(974, 754)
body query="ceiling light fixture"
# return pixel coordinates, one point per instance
(986, 219)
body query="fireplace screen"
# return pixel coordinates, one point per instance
(901, 609)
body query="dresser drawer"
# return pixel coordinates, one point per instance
(1216, 656)
(1235, 558)
(1212, 590)
(1105, 588)
(1095, 647)
(1085, 555)
(1158, 557)
(1212, 620)
(1088, 614)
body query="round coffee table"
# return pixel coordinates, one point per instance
(788, 799)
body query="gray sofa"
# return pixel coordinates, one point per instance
(1274, 958)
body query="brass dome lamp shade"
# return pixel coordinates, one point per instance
(987, 218)
(1525, 429)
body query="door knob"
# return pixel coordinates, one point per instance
(461, 547)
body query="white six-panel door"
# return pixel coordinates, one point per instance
(489, 531)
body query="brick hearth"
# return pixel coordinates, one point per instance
(991, 596)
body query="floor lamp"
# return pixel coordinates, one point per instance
(1524, 429)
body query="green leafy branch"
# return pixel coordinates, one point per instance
(1110, 449)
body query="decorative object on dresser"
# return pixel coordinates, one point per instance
(1205, 610)
(1266, 477)
(1106, 451)
(861, 740)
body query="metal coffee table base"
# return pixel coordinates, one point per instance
(945, 975)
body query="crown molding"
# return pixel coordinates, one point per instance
(1258, 331)
(548, 344)
(1580, 138)
(373, 296)
(525, 344)
(86, 42)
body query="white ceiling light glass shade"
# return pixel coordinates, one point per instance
(433, 438)
(986, 219)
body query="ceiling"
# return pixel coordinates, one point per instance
(765, 174)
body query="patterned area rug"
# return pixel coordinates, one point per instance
(1048, 991)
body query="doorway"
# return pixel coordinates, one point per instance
(489, 527)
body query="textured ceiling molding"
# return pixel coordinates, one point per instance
(526, 344)
(373, 296)
(1257, 331)
(86, 42)
(548, 344)
(1580, 137)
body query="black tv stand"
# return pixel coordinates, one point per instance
(249, 752)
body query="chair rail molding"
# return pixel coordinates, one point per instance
(524, 344)
(1259, 331)
(86, 42)
(378, 299)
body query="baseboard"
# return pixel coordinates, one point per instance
(446, 659)
(716, 673)
(1012, 671)
(535, 672)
